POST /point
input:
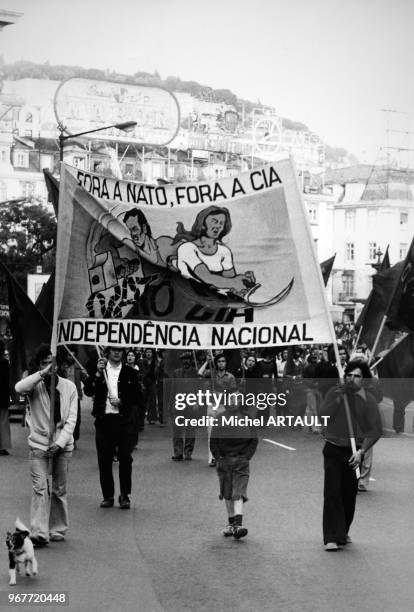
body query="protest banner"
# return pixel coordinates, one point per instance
(228, 263)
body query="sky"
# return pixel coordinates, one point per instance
(331, 64)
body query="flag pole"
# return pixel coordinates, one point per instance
(334, 339)
(391, 348)
(100, 356)
(52, 397)
(73, 357)
(374, 365)
(377, 338)
(347, 410)
(355, 345)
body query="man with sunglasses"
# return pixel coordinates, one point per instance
(341, 485)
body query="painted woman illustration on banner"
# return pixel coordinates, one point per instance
(201, 254)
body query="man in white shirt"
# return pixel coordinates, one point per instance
(115, 388)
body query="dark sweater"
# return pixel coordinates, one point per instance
(365, 416)
(128, 393)
(233, 441)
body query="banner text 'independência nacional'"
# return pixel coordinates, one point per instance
(172, 335)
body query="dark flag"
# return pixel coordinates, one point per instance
(385, 264)
(401, 309)
(326, 268)
(52, 185)
(44, 302)
(376, 307)
(29, 327)
(396, 371)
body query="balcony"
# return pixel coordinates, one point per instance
(346, 297)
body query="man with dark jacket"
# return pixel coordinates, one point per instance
(114, 387)
(341, 485)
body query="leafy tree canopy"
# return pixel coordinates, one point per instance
(27, 239)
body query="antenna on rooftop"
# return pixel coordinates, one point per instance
(404, 147)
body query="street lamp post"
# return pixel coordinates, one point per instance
(125, 126)
(378, 254)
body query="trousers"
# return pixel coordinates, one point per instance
(340, 491)
(112, 435)
(48, 510)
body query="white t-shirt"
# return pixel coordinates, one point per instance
(112, 373)
(189, 257)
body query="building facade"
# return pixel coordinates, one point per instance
(353, 212)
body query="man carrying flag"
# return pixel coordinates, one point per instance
(340, 462)
(51, 444)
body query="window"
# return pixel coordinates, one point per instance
(79, 162)
(372, 251)
(3, 156)
(350, 251)
(348, 284)
(372, 216)
(403, 218)
(46, 161)
(129, 168)
(312, 211)
(3, 191)
(171, 172)
(21, 159)
(29, 118)
(27, 189)
(191, 173)
(350, 220)
(28, 133)
(403, 250)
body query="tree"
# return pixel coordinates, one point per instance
(27, 239)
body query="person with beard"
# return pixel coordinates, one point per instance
(341, 485)
(50, 447)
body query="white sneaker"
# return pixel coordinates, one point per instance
(330, 546)
(228, 531)
(57, 537)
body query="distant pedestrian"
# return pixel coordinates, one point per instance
(140, 409)
(50, 451)
(160, 376)
(5, 438)
(147, 364)
(220, 380)
(184, 380)
(114, 387)
(232, 446)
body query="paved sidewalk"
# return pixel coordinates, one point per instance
(99, 565)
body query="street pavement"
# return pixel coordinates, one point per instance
(167, 553)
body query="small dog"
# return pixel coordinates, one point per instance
(20, 551)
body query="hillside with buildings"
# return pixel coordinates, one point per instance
(355, 210)
(334, 155)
